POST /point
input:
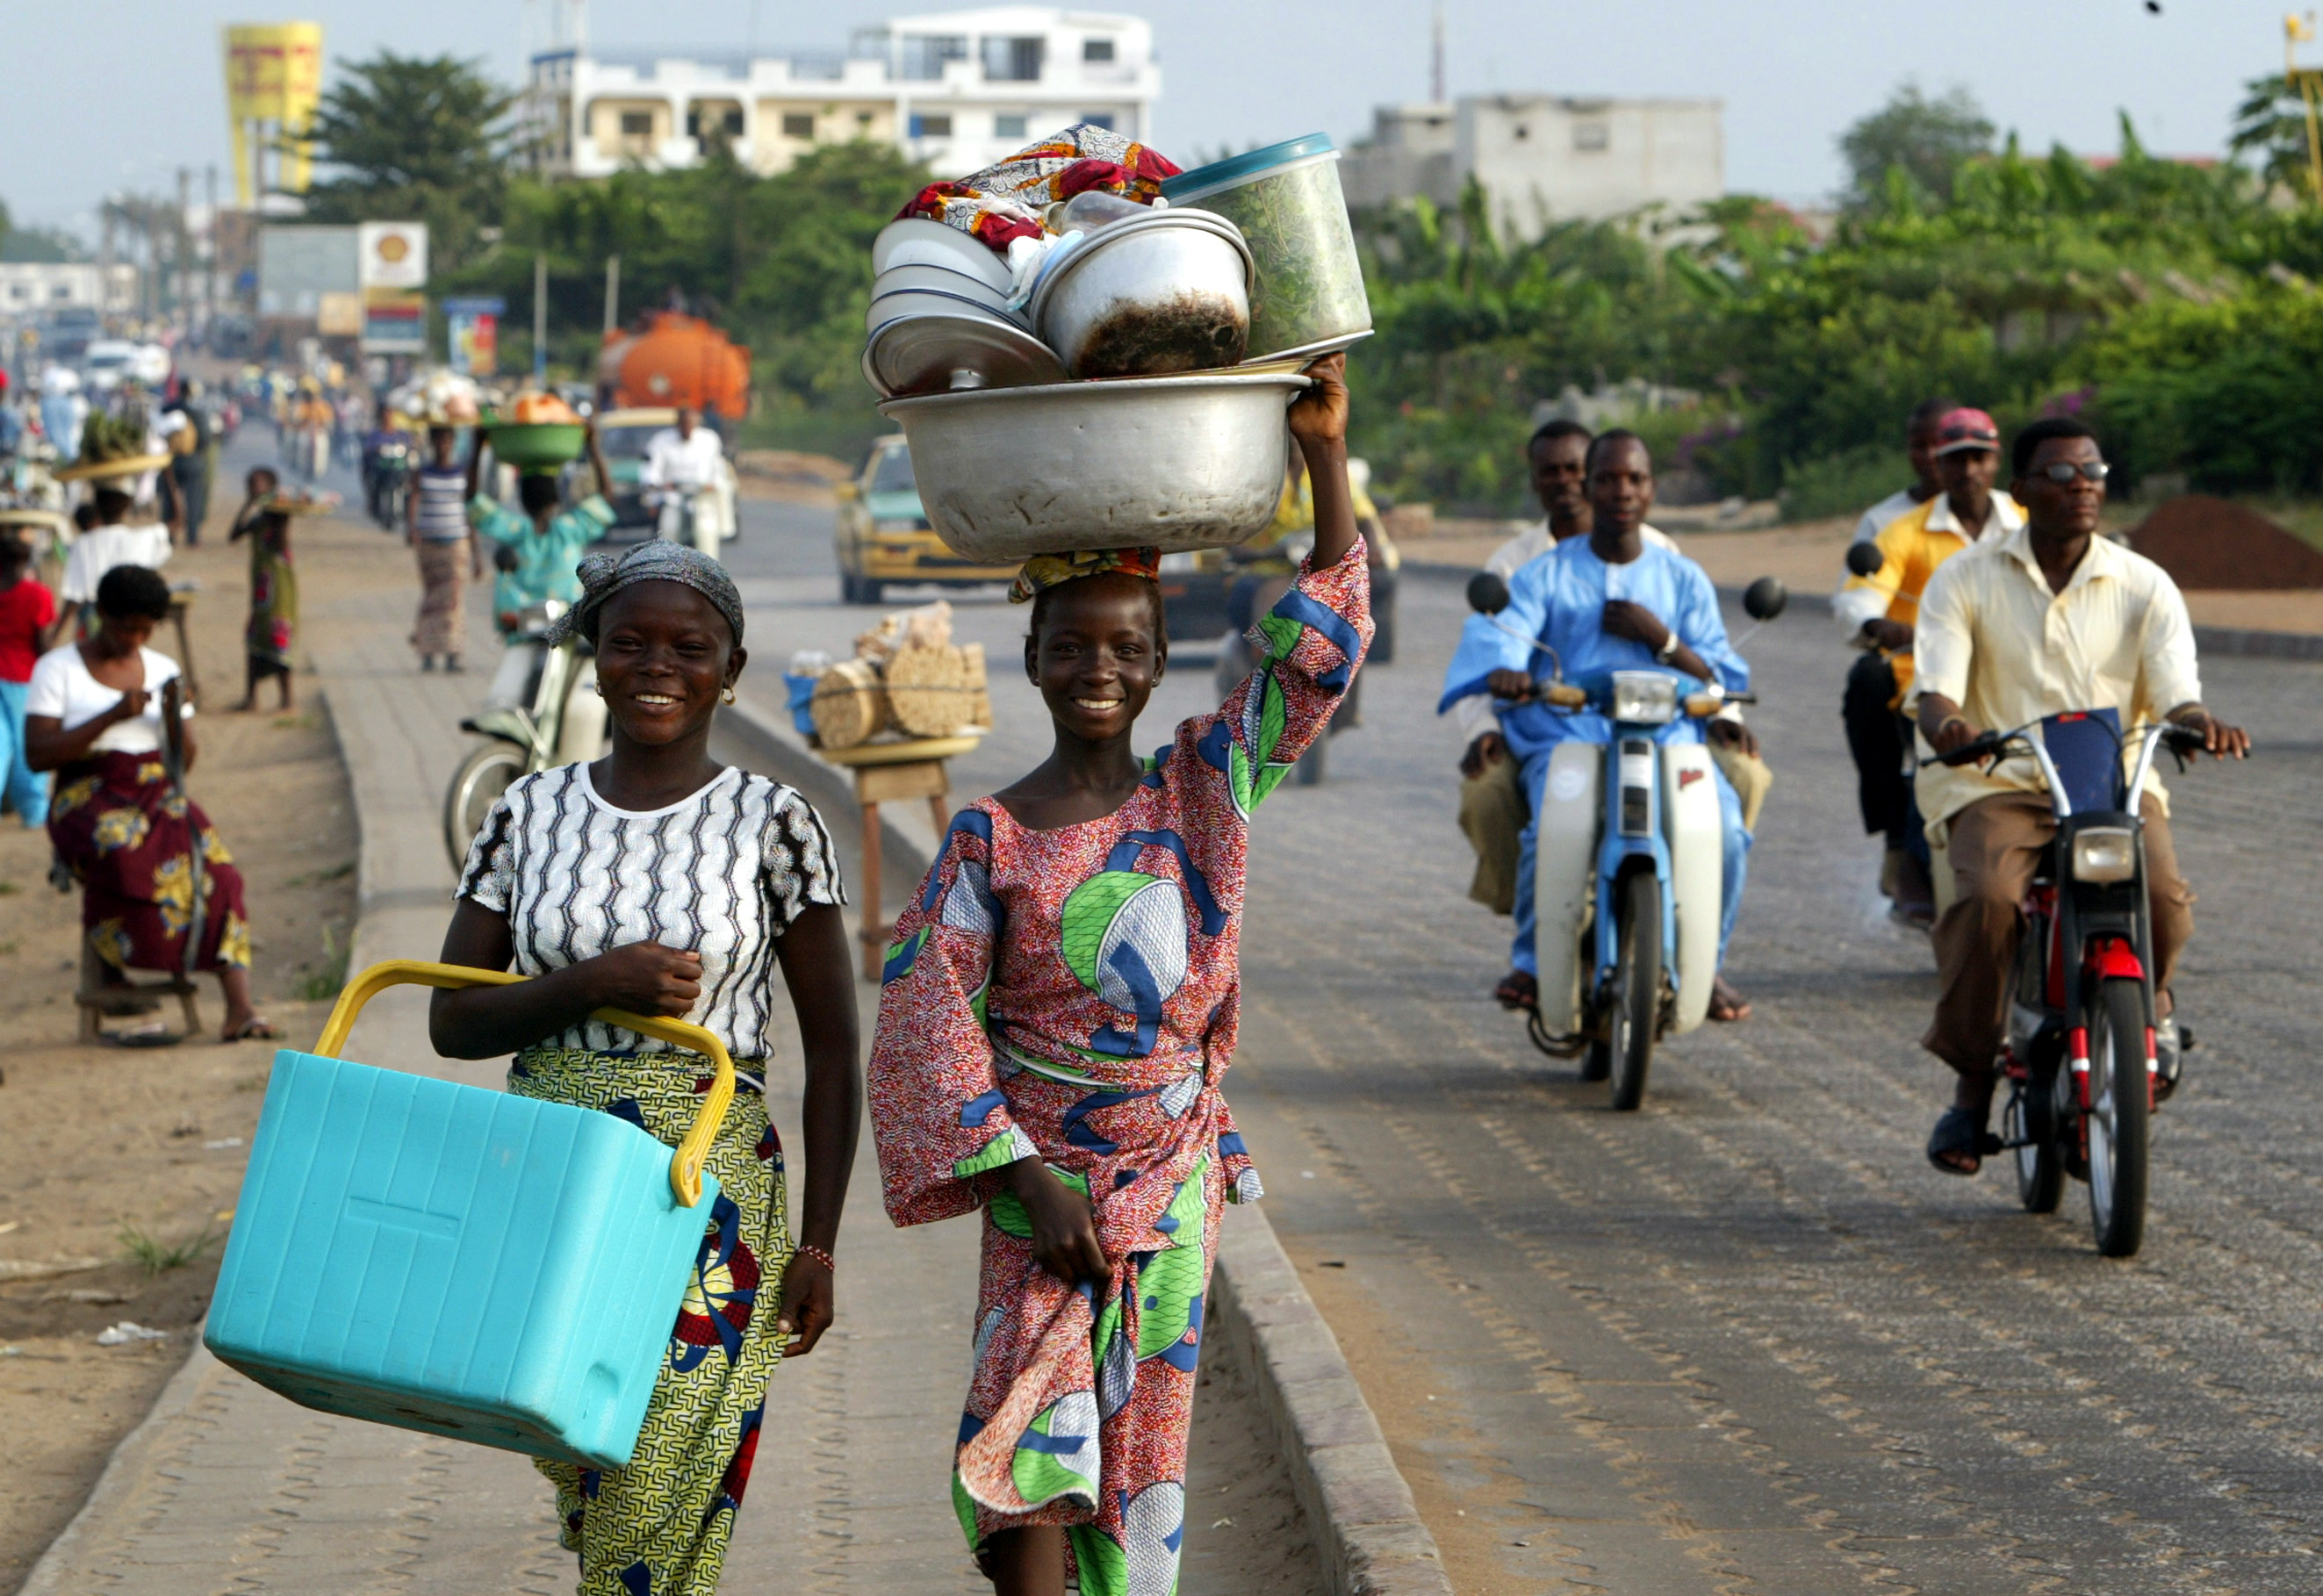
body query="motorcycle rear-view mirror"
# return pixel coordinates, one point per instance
(1765, 599)
(1864, 559)
(1487, 593)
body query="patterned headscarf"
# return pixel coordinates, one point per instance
(1047, 570)
(1003, 203)
(603, 575)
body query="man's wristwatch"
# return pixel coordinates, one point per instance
(1668, 650)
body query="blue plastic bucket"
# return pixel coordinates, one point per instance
(457, 1261)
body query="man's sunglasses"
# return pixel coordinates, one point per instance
(2063, 472)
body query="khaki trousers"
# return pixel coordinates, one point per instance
(1996, 844)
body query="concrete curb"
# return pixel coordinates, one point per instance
(1367, 1530)
(2225, 641)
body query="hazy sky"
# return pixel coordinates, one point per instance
(102, 94)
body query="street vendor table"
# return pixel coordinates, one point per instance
(891, 772)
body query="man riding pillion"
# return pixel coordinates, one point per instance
(2047, 618)
(681, 473)
(1875, 613)
(1493, 806)
(1609, 601)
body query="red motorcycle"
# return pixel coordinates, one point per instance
(2084, 1073)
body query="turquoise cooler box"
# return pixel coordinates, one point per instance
(457, 1261)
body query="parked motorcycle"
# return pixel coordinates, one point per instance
(561, 721)
(1628, 864)
(2081, 1011)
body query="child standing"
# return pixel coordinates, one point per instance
(27, 610)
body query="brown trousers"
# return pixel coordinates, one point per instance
(1996, 843)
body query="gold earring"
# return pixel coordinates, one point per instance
(728, 696)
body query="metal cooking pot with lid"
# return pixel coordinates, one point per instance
(1176, 463)
(1147, 295)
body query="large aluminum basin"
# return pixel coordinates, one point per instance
(1176, 463)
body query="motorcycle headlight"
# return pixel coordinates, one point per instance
(1644, 698)
(2103, 855)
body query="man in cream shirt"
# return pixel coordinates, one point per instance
(2042, 621)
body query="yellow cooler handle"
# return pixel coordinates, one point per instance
(684, 1169)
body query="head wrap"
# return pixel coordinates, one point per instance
(603, 575)
(1047, 570)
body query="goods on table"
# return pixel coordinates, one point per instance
(929, 626)
(849, 705)
(938, 692)
(1308, 296)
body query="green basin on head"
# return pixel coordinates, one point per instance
(529, 445)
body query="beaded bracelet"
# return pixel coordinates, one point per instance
(818, 1254)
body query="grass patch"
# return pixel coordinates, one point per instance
(155, 1256)
(318, 985)
(8, 889)
(306, 722)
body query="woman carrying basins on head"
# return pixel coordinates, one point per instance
(1060, 1004)
(657, 881)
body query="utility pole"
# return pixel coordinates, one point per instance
(1436, 59)
(613, 294)
(181, 250)
(540, 316)
(210, 255)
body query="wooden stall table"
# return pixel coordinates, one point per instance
(893, 772)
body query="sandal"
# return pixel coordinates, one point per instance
(1518, 990)
(1959, 1142)
(257, 1028)
(1727, 1006)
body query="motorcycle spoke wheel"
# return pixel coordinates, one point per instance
(476, 787)
(1637, 988)
(2118, 1117)
(2031, 1122)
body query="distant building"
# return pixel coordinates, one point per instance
(1543, 158)
(34, 288)
(959, 90)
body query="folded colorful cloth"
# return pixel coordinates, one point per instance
(1047, 571)
(1004, 203)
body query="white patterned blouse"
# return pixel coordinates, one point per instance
(722, 873)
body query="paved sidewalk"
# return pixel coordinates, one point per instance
(228, 1488)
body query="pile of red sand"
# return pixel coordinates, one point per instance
(2209, 543)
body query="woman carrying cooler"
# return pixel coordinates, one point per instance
(1061, 1002)
(659, 881)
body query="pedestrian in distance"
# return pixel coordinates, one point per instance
(437, 527)
(1058, 1010)
(744, 884)
(27, 611)
(274, 625)
(2047, 618)
(119, 821)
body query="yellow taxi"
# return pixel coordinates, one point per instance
(883, 534)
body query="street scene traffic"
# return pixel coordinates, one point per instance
(898, 816)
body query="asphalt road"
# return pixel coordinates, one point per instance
(1745, 1339)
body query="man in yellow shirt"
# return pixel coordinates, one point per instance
(1876, 612)
(2042, 621)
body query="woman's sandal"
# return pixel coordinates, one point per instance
(1727, 1006)
(257, 1028)
(1960, 1135)
(1516, 990)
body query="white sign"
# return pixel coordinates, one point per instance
(393, 255)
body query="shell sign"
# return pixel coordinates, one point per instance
(392, 254)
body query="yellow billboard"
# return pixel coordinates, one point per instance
(273, 82)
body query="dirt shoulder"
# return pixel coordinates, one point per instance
(103, 1138)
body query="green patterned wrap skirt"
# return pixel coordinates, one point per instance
(660, 1526)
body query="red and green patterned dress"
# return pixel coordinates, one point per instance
(1075, 993)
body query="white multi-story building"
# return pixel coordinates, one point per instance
(1544, 158)
(958, 90)
(40, 288)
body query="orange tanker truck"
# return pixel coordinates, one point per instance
(676, 360)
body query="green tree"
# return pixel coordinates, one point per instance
(1929, 141)
(2271, 123)
(414, 138)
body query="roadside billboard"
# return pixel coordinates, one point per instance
(298, 265)
(474, 326)
(273, 82)
(395, 322)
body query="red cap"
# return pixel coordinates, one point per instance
(1966, 429)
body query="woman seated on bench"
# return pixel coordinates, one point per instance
(93, 714)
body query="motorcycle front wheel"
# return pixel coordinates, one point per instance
(483, 777)
(1636, 988)
(2031, 1121)
(2118, 1116)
